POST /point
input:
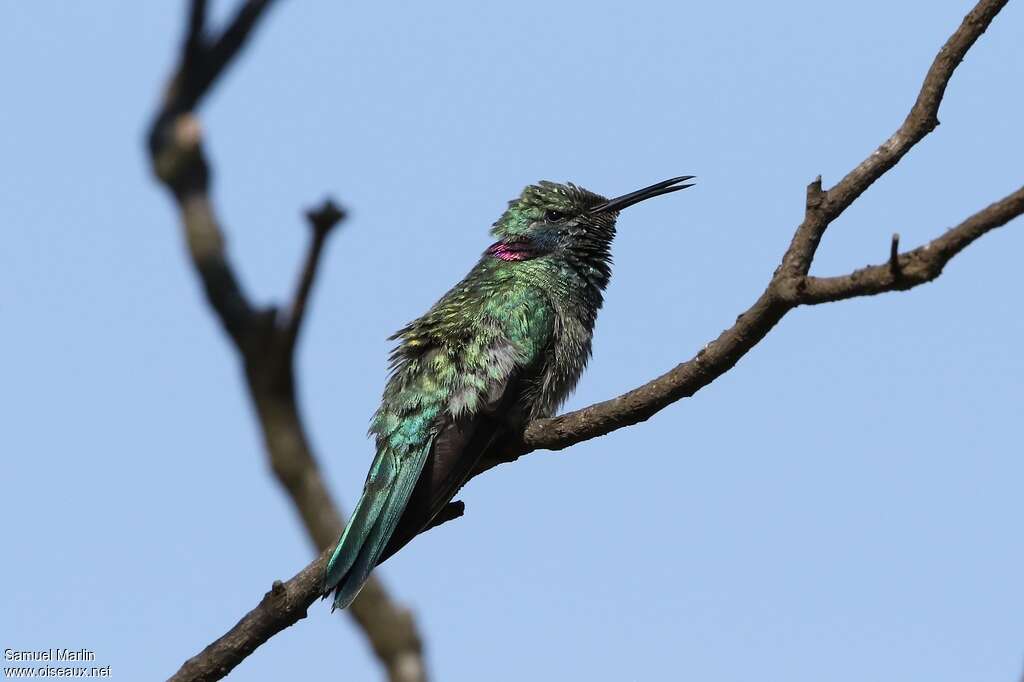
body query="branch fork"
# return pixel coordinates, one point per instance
(265, 339)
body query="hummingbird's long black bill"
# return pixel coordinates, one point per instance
(655, 190)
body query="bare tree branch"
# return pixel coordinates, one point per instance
(923, 264)
(789, 287)
(283, 606)
(824, 207)
(322, 220)
(265, 343)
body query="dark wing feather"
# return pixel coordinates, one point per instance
(458, 447)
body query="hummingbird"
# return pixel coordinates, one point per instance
(504, 346)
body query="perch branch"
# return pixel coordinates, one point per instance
(284, 605)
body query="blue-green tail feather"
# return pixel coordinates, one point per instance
(385, 495)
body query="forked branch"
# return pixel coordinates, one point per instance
(264, 338)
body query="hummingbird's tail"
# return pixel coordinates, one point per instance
(385, 495)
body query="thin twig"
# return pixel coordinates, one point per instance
(450, 512)
(894, 255)
(322, 220)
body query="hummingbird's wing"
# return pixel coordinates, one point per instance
(460, 444)
(492, 369)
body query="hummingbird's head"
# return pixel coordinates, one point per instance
(570, 222)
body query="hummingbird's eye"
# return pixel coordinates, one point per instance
(553, 216)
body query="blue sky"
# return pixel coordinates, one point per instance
(844, 505)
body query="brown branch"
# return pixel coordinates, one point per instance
(823, 207)
(265, 345)
(789, 287)
(894, 255)
(915, 267)
(322, 220)
(714, 359)
(450, 512)
(284, 605)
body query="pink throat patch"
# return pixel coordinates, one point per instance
(511, 251)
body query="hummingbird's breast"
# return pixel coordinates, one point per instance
(567, 355)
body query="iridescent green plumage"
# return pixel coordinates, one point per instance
(506, 345)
